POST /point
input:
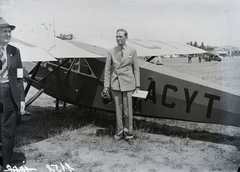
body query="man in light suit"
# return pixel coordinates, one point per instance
(122, 76)
(12, 97)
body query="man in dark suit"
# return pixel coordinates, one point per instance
(122, 76)
(12, 97)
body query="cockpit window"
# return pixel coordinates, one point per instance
(81, 66)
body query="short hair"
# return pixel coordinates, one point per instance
(123, 30)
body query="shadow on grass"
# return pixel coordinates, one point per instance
(44, 123)
(200, 135)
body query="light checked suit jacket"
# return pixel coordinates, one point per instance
(122, 73)
(16, 84)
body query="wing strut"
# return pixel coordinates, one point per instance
(65, 61)
(32, 77)
(34, 97)
(152, 57)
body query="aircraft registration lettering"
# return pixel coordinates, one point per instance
(189, 99)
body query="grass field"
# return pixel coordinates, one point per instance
(71, 135)
(224, 73)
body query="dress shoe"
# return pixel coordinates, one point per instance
(116, 137)
(130, 141)
(128, 136)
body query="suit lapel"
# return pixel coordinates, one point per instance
(117, 55)
(125, 55)
(9, 57)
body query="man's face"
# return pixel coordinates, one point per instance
(5, 35)
(121, 38)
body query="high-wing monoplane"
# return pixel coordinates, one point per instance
(73, 70)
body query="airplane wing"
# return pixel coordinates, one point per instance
(101, 46)
(186, 49)
(54, 46)
(30, 52)
(168, 47)
(90, 48)
(36, 47)
(159, 47)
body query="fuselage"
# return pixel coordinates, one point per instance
(172, 95)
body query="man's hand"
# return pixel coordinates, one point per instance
(22, 108)
(137, 88)
(105, 89)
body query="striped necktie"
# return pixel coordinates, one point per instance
(3, 72)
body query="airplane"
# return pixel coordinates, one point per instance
(77, 78)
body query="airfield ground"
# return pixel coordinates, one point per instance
(49, 137)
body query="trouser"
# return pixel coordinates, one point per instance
(7, 123)
(124, 112)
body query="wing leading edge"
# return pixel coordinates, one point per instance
(39, 48)
(101, 46)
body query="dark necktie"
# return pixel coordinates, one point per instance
(3, 72)
(121, 52)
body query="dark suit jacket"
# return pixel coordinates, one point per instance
(16, 84)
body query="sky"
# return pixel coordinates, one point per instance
(213, 22)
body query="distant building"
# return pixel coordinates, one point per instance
(227, 51)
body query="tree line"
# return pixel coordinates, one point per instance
(202, 46)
